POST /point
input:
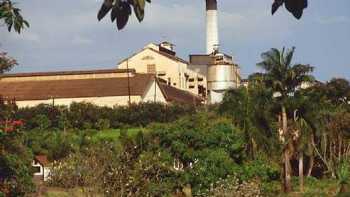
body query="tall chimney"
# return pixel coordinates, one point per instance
(212, 26)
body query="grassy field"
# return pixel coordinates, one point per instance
(57, 192)
(113, 134)
(313, 188)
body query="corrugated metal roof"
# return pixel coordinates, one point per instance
(173, 94)
(75, 88)
(80, 72)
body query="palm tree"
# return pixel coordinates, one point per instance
(303, 136)
(284, 79)
(250, 110)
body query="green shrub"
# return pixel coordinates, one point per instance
(264, 170)
(89, 116)
(103, 124)
(205, 147)
(15, 165)
(41, 121)
(232, 186)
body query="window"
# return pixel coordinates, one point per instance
(151, 68)
(191, 80)
(191, 87)
(161, 73)
(200, 79)
(201, 90)
(169, 81)
(36, 169)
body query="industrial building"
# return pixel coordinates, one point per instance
(99, 87)
(207, 75)
(153, 74)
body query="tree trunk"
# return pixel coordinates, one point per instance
(340, 143)
(312, 157)
(311, 165)
(301, 171)
(287, 166)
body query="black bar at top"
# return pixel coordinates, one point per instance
(212, 4)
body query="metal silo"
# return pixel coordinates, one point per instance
(222, 74)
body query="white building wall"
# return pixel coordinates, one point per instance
(175, 70)
(100, 101)
(154, 94)
(47, 172)
(172, 69)
(37, 164)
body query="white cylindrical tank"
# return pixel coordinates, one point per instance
(220, 79)
(212, 26)
(222, 76)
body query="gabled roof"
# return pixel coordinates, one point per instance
(104, 71)
(176, 95)
(42, 159)
(171, 57)
(75, 88)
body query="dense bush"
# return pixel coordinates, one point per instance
(194, 151)
(233, 187)
(55, 144)
(15, 165)
(264, 170)
(89, 116)
(204, 148)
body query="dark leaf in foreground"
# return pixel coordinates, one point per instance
(276, 5)
(122, 13)
(296, 7)
(105, 8)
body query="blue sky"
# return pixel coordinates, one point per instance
(65, 34)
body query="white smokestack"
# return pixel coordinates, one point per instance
(212, 26)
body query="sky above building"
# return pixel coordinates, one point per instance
(65, 34)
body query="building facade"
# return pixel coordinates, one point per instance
(99, 87)
(161, 60)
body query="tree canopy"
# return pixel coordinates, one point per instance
(11, 15)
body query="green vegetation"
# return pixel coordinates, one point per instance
(272, 138)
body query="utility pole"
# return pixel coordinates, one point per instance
(155, 89)
(127, 70)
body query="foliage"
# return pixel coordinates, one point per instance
(296, 7)
(260, 168)
(15, 162)
(232, 187)
(56, 145)
(121, 10)
(6, 63)
(202, 150)
(343, 173)
(120, 170)
(89, 116)
(251, 111)
(103, 124)
(283, 77)
(11, 16)
(41, 122)
(144, 164)
(284, 80)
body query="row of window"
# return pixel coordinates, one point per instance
(151, 68)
